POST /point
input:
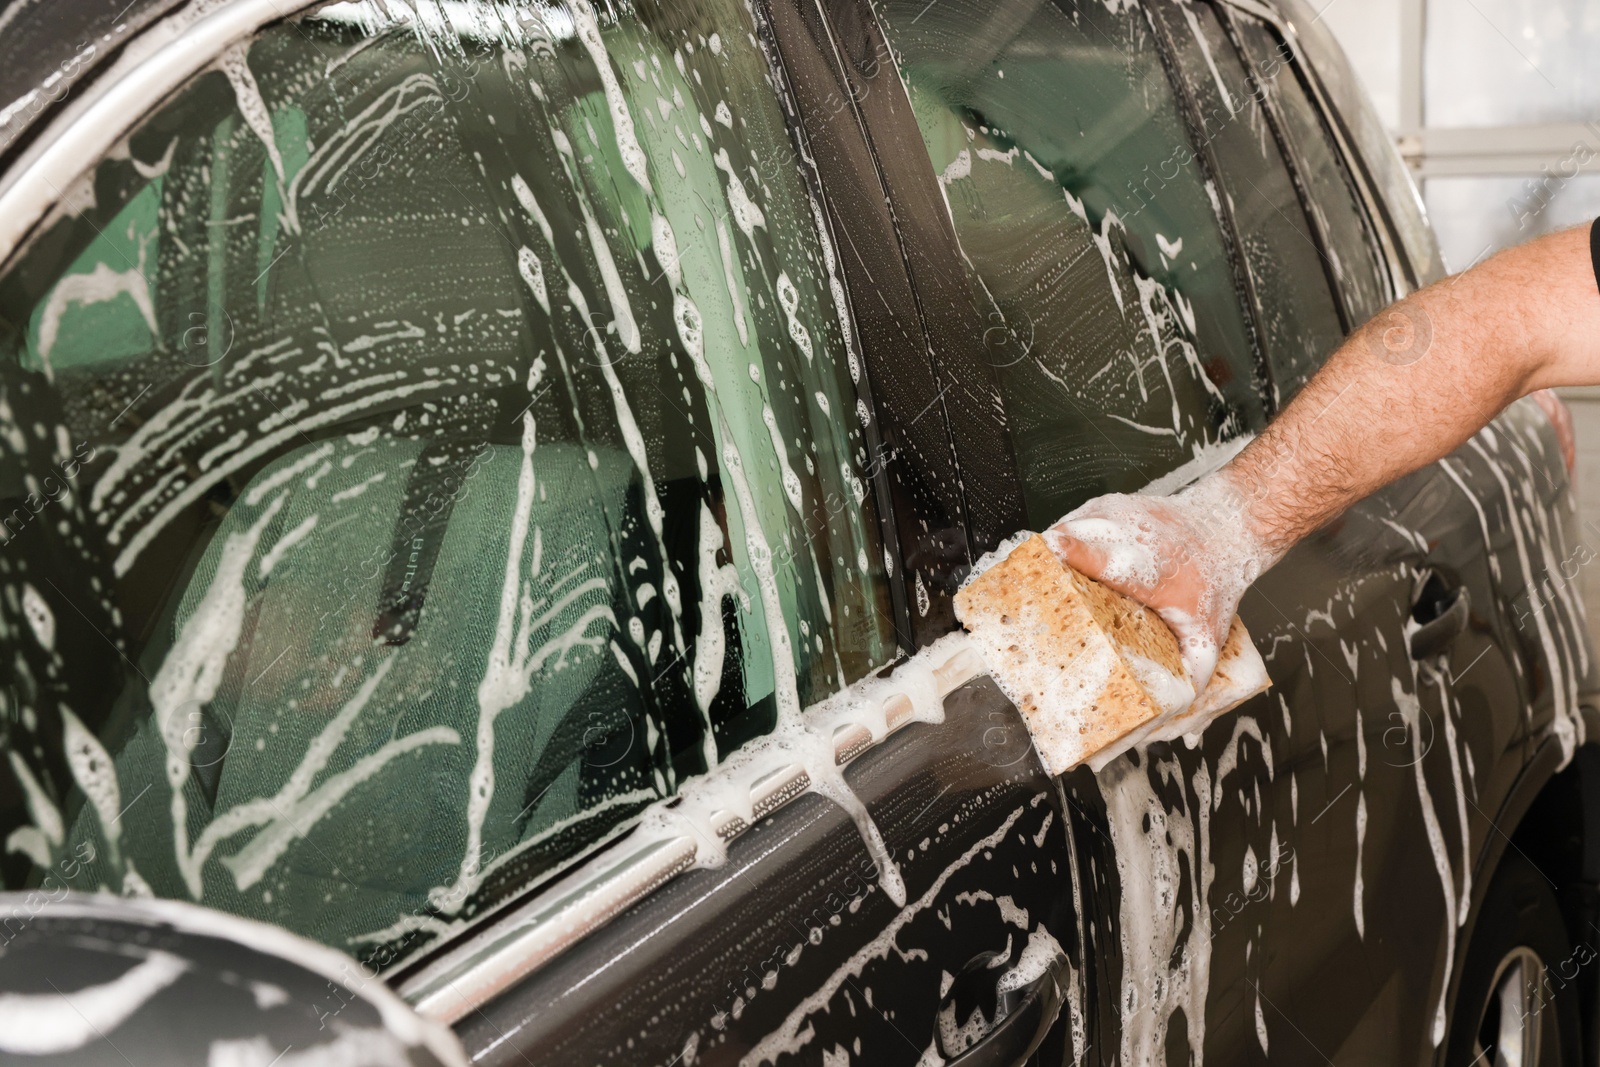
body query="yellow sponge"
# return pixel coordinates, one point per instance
(1092, 671)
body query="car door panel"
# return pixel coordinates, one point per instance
(1390, 724)
(1352, 786)
(792, 953)
(1439, 754)
(1350, 781)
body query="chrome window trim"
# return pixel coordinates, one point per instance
(153, 66)
(1394, 265)
(469, 974)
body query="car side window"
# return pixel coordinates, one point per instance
(436, 438)
(1082, 213)
(1348, 239)
(1399, 199)
(1300, 321)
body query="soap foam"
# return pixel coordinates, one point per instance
(713, 807)
(1203, 533)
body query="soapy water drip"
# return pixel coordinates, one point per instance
(713, 808)
(1166, 955)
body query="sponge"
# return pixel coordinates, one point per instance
(1093, 672)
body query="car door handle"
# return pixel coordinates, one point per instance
(1438, 615)
(1015, 1037)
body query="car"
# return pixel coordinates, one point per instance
(484, 485)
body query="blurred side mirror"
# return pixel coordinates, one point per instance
(109, 980)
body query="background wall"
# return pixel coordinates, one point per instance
(1495, 103)
(1496, 106)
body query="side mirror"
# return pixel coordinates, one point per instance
(111, 980)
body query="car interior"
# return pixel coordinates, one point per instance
(429, 580)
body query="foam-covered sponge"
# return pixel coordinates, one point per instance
(1093, 672)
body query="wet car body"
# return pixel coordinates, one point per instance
(1300, 884)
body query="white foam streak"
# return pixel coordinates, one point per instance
(274, 555)
(1411, 714)
(253, 861)
(759, 551)
(247, 97)
(735, 294)
(746, 215)
(45, 1024)
(38, 840)
(633, 157)
(1565, 713)
(259, 448)
(506, 678)
(716, 584)
(96, 774)
(616, 292)
(794, 1035)
(193, 668)
(1156, 851)
(98, 286)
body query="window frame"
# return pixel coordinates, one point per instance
(1189, 112)
(1398, 274)
(153, 66)
(854, 139)
(931, 237)
(450, 979)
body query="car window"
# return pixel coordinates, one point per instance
(427, 440)
(1300, 322)
(1401, 200)
(1117, 330)
(1348, 242)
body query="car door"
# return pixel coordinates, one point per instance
(1235, 832)
(1371, 726)
(1125, 360)
(1464, 720)
(449, 433)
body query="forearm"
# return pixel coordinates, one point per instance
(1422, 377)
(1402, 391)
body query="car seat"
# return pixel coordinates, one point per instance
(334, 758)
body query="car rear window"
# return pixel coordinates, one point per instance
(1291, 279)
(428, 439)
(1083, 211)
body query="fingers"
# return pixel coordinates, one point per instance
(1080, 556)
(1114, 538)
(1141, 548)
(1197, 645)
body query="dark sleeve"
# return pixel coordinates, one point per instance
(1594, 250)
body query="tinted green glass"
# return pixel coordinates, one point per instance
(1078, 204)
(455, 445)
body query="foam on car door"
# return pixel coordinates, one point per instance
(1356, 789)
(790, 953)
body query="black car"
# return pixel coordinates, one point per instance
(483, 484)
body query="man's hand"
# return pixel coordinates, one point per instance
(1189, 557)
(1403, 390)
